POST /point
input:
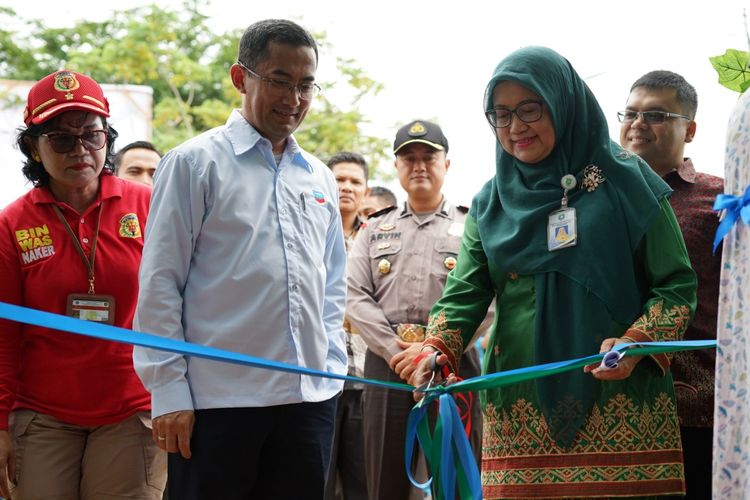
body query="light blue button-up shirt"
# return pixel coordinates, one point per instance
(244, 255)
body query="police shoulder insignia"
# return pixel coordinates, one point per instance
(382, 211)
(129, 226)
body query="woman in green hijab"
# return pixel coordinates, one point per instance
(576, 240)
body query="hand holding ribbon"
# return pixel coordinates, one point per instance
(735, 207)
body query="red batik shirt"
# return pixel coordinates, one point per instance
(693, 371)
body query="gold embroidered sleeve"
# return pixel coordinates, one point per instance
(468, 293)
(659, 325)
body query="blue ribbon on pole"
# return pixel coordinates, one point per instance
(735, 207)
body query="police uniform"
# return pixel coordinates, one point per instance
(397, 271)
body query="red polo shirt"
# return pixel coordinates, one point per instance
(76, 379)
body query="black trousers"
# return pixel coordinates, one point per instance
(385, 413)
(274, 452)
(348, 454)
(697, 451)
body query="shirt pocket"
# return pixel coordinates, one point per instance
(445, 256)
(384, 259)
(315, 222)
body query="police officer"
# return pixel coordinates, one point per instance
(397, 270)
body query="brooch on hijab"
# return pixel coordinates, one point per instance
(592, 178)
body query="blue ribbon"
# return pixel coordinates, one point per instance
(449, 454)
(735, 208)
(125, 336)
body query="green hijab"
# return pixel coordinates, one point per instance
(580, 290)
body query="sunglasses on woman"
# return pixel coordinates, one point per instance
(62, 142)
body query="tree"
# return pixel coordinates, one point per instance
(187, 65)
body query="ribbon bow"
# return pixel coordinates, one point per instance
(735, 207)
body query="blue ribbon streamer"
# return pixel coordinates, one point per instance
(106, 332)
(735, 208)
(415, 417)
(453, 441)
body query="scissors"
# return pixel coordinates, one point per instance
(435, 369)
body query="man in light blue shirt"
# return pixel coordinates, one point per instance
(245, 252)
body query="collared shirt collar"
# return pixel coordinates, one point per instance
(109, 187)
(686, 171)
(243, 137)
(443, 211)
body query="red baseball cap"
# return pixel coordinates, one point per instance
(62, 91)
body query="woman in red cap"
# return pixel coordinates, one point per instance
(74, 419)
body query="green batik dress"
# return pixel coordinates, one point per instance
(629, 444)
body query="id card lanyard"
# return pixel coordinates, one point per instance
(561, 225)
(88, 261)
(88, 306)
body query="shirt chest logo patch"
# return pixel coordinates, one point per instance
(35, 243)
(129, 226)
(319, 197)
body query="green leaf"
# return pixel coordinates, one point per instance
(732, 68)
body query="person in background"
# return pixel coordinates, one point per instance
(657, 123)
(397, 270)
(379, 198)
(346, 474)
(350, 171)
(137, 162)
(576, 239)
(245, 252)
(74, 417)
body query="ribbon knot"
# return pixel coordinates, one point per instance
(735, 207)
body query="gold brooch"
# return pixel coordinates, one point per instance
(592, 178)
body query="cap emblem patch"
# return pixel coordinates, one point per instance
(66, 81)
(417, 130)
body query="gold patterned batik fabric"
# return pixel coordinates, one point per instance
(660, 324)
(444, 339)
(624, 449)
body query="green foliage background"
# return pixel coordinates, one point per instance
(187, 64)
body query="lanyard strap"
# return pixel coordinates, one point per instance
(89, 262)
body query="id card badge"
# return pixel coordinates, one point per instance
(99, 308)
(561, 229)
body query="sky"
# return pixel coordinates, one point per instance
(435, 58)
